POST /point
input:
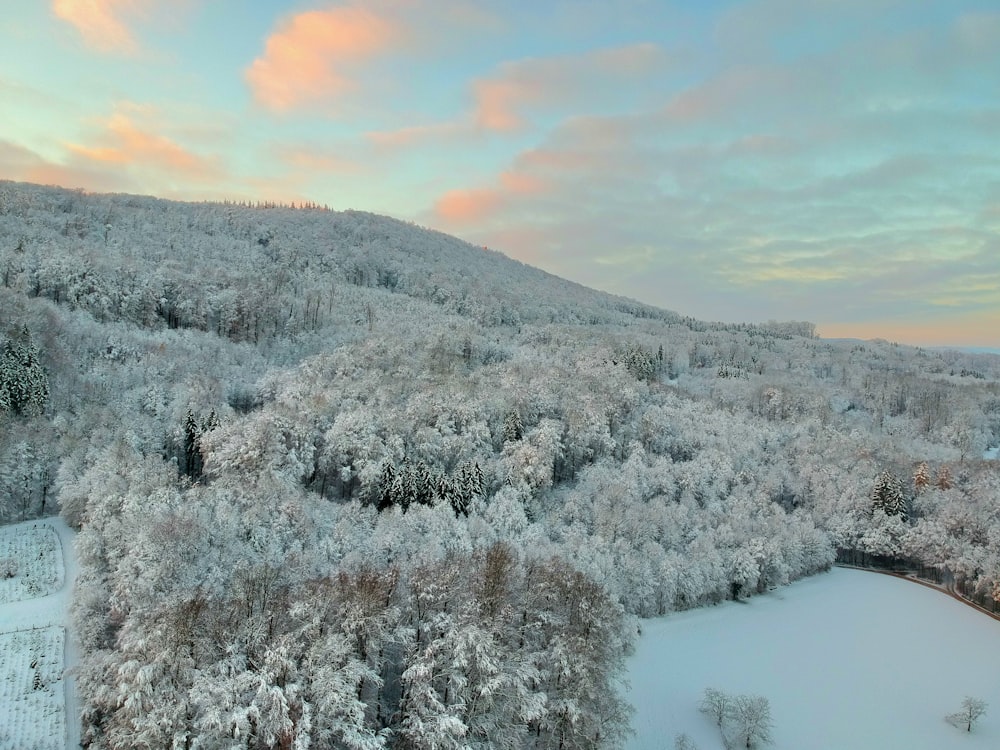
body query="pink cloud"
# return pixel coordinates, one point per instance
(125, 143)
(308, 58)
(501, 99)
(413, 134)
(477, 205)
(468, 206)
(521, 183)
(100, 22)
(312, 160)
(19, 163)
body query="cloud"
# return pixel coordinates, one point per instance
(505, 100)
(468, 206)
(100, 22)
(126, 143)
(500, 100)
(415, 134)
(20, 163)
(477, 205)
(830, 215)
(134, 149)
(310, 58)
(316, 160)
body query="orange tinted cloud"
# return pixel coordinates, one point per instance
(501, 98)
(521, 183)
(305, 60)
(19, 163)
(468, 206)
(312, 160)
(127, 144)
(476, 205)
(388, 139)
(99, 22)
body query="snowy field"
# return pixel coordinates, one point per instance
(848, 659)
(32, 692)
(31, 563)
(35, 582)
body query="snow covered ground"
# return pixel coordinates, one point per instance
(36, 697)
(848, 659)
(31, 562)
(992, 454)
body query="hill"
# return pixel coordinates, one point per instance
(345, 479)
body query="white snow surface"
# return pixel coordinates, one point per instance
(848, 659)
(31, 628)
(992, 454)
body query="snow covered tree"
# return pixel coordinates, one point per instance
(972, 710)
(193, 461)
(921, 478)
(716, 704)
(24, 383)
(513, 428)
(430, 721)
(887, 495)
(751, 717)
(943, 481)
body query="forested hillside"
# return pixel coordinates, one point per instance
(346, 482)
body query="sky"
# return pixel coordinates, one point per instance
(836, 161)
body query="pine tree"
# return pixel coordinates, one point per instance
(386, 482)
(193, 461)
(24, 384)
(513, 428)
(887, 495)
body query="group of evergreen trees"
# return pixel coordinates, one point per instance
(419, 484)
(24, 383)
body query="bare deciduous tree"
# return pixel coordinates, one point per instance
(752, 719)
(716, 704)
(972, 710)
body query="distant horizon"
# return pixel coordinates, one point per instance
(838, 336)
(757, 159)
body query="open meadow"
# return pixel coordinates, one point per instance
(847, 659)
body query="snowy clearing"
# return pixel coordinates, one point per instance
(848, 659)
(32, 695)
(992, 454)
(35, 653)
(31, 562)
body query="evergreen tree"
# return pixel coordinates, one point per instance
(193, 462)
(887, 495)
(24, 384)
(386, 482)
(513, 428)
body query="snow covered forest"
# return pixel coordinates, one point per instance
(342, 481)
